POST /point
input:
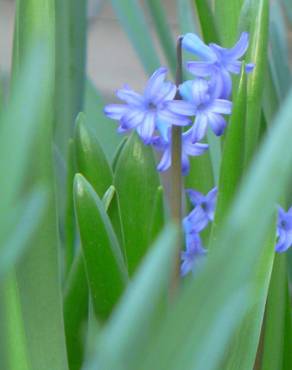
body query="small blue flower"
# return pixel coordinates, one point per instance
(204, 210)
(217, 62)
(189, 148)
(284, 230)
(203, 103)
(145, 112)
(193, 255)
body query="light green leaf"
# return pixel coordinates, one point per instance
(105, 268)
(90, 159)
(228, 10)
(70, 25)
(136, 181)
(186, 18)
(257, 54)
(140, 309)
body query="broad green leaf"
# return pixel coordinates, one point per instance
(288, 10)
(270, 96)
(274, 324)
(279, 51)
(136, 181)
(70, 26)
(90, 159)
(257, 54)
(14, 352)
(76, 312)
(24, 220)
(37, 273)
(227, 16)
(159, 214)
(287, 358)
(207, 21)
(137, 315)
(69, 211)
(117, 153)
(112, 207)
(164, 32)
(105, 268)
(233, 153)
(131, 17)
(104, 128)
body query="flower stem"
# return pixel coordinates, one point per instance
(176, 173)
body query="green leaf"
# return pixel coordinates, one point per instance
(164, 32)
(257, 54)
(117, 153)
(226, 9)
(201, 175)
(207, 20)
(90, 159)
(186, 18)
(105, 268)
(233, 153)
(70, 67)
(76, 312)
(274, 325)
(132, 19)
(104, 128)
(159, 214)
(138, 314)
(136, 181)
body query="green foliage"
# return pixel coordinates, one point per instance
(87, 253)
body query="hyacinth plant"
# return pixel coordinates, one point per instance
(152, 231)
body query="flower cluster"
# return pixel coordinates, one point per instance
(195, 222)
(195, 105)
(204, 101)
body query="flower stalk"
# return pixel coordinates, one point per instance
(176, 169)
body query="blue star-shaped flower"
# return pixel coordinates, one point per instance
(204, 210)
(203, 103)
(145, 112)
(284, 230)
(193, 255)
(217, 62)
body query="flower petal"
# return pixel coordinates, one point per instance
(185, 164)
(132, 119)
(199, 128)
(239, 48)
(115, 111)
(166, 93)
(165, 161)
(249, 67)
(155, 83)
(174, 119)
(185, 90)
(196, 221)
(200, 91)
(200, 69)
(195, 45)
(181, 107)
(217, 123)
(195, 197)
(130, 97)
(221, 106)
(146, 129)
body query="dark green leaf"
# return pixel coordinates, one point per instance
(207, 21)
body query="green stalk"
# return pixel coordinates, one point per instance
(176, 178)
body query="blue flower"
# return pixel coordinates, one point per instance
(284, 230)
(203, 103)
(145, 112)
(217, 62)
(189, 148)
(204, 210)
(192, 257)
